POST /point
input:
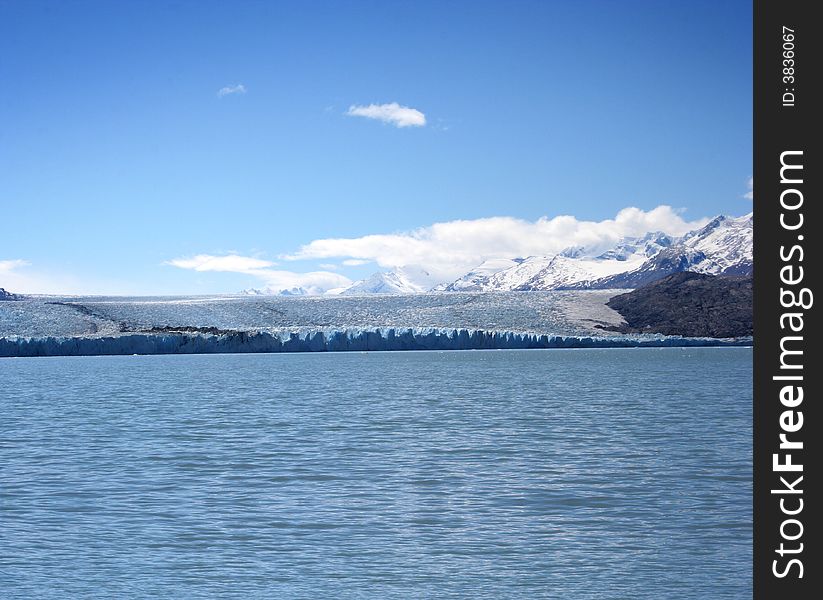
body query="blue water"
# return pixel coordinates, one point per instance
(494, 474)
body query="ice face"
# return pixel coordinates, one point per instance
(335, 341)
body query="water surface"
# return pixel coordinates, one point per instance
(498, 474)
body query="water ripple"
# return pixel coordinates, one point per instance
(524, 474)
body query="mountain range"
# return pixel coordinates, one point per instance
(721, 247)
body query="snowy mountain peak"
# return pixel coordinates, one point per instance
(270, 291)
(400, 281)
(629, 247)
(573, 252)
(478, 278)
(721, 246)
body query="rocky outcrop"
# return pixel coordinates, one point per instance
(690, 305)
(4, 295)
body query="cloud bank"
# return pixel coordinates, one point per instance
(392, 113)
(447, 250)
(275, 280)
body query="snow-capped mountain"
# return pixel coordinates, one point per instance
(572, 265)
(727, 244)
(497, 275)
(722, 247)
(633, 247)
(404, 280)
(562, 271)
(515, 276)
(270, 291)
(665, 262)
(477, 280)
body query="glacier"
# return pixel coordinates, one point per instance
(334, 341)
(71, 326)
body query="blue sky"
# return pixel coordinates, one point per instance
(120, 157)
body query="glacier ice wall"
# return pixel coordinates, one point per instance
(330, 341)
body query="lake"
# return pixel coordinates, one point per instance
(590, 473)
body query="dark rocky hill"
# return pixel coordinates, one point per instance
(688, 304)
(4, 295)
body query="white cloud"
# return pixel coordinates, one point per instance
(750, 194)
(447, 250)
(7, 266)
(231, 89)
(355, 262)
(275, 280)
(230, 263)
(393, 113)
